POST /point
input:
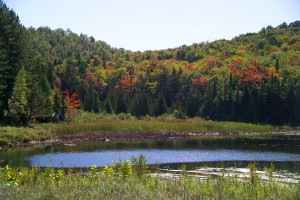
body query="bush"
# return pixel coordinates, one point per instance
(4, 142)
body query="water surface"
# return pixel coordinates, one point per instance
(217, 152)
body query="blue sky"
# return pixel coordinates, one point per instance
(156, 24)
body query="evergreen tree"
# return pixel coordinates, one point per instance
(290, 103)
(161, 107)
(121, 106)
(108, 106)
(140, 105)
(88, 100)
(262, 104)
(18, 104)
(40, 98)
(297, 106)
(13, 53)
(247, 105)
(96, 103)
(207, 108)
(91, 101)
(174, 86)
(193, 103)
(277, 65)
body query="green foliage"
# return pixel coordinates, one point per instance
(140, 165)
(18, 104)
(90, 123)
(30, 183)
(270, 171)
(122, 169)
(184, 171)
(108, 171)
(53, 175)
(254, 77)
(126, 169)
(13, 53)
(93, 171)
(161, 107)
(11, 176)
(253, 175)
(4, 142)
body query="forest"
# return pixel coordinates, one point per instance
(46, 75)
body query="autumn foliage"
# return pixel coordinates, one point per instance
(250, 78)
(251, 72)
(71, 104)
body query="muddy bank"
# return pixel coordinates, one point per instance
(105, 137)
(161, 136)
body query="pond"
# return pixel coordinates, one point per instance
(284, 152)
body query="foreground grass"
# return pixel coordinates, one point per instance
(33, 183)
(90, 123)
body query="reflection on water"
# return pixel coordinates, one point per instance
(217, 152)
(163, 156)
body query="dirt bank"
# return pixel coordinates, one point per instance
(161, 136)
(109, 136)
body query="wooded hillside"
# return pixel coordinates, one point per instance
(254, 77)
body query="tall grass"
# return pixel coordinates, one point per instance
(125, 123)
(157, 126)
(34, 183)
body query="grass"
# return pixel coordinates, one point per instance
(123, 181)
(89, 123)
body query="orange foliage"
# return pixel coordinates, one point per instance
(71, 103)
(110, 69)
(127, 84)
(190, 67)
(198, 81)
(91, 79)
(212, 62)
(236, 67)
(251, 72)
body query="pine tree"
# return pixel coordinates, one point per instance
(161, 107)
(290, 105)
(247, 105)
(18, 104)
(207, 108)
(108, 106)
(13, 53)
(297, 106)
(140, 105)
(40, 98)
(192, 103)
(121, 106)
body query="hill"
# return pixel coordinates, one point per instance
(254, 77)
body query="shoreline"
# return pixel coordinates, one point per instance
(161, 136)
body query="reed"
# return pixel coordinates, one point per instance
(124, 123)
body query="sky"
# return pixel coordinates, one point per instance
(140, 25)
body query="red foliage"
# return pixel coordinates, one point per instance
(212, 62)
(190, 67)
(236, 67)
(127, 84)
(254, 73)
(198, 81)
(251, 72)
(110, 69)
(71, 104)
(91, 79)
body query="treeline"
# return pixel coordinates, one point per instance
(48, 74)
